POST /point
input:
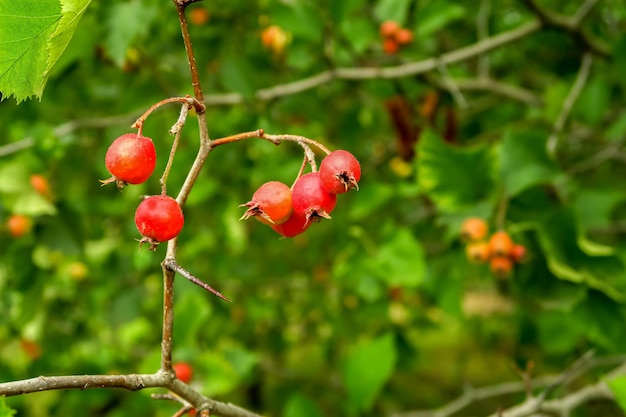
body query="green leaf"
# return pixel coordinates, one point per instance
(395, 10)
(559, 239)
(524, 161)
(367, 368)
(595, 206)
(32, 37)
(455, 178)
(593, 101)
(300, 406)
(400, 262)
(618, 386)
(5, 411)
(435, 16)
(127, 22)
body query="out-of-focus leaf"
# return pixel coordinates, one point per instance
(594, 207)
(5, 410)
(400, 261)
(366, 369)
(395, 10)
(435, 15)
(127, 21)
(524, 161)
(618, 388)
(593, 101)
(558, 237)
(455, 178)
(299, 405)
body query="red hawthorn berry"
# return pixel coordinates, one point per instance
(158, 218)
(390, 46)
(183, 371)
(473, 229)
(270, 204)
(389, 28)
(478, 252)
(130, 159)
(339, 172)
(501, 266)
(518, 253)
(40, 185)
(310, 199)
(501, 243)
(294, 226)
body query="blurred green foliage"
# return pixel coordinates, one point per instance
(373, 312)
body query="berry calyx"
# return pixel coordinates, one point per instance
(294, 226)
(473, 229)
(130, 159)
(310, 199)
(183, 371)
(270, 204)
(158, 218)
(478, 252)
(501, 266)
(500, 243)
(339, 172)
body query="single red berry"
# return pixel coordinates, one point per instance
(310, 199)
(473, 229)
(18, 225)
(158, 218)
(501, 243)
(270, 204)
(183, 371)
(339, 172)
(518, 253)
(295, 225)
(130, 159)
(501, 266)
(388, 28)
(390, 46)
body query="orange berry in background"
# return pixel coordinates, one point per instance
(477, 252)
(199, 16)
(389, 28)
(501, 266)
(40, 184)
(275, 38)
(403, 36)
(183, 371)
(518, 253)
(501, 243)
(390, 46)
(18, 225)
(473, 229)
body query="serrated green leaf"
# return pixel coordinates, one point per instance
(367, 368)
(33, 36)
(5, 411)
(524, 161)
(618, 387)
(455, 178)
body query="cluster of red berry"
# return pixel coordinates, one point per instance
(290, 211)
(394, 36)
(131, 159)
(499, 250)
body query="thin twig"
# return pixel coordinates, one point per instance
(570, 100)
(482, 30)
(176, 130)
(172, 265)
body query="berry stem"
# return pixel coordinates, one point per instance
(298, 139)
(259, 133)
(187, 100)
(502, 209)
